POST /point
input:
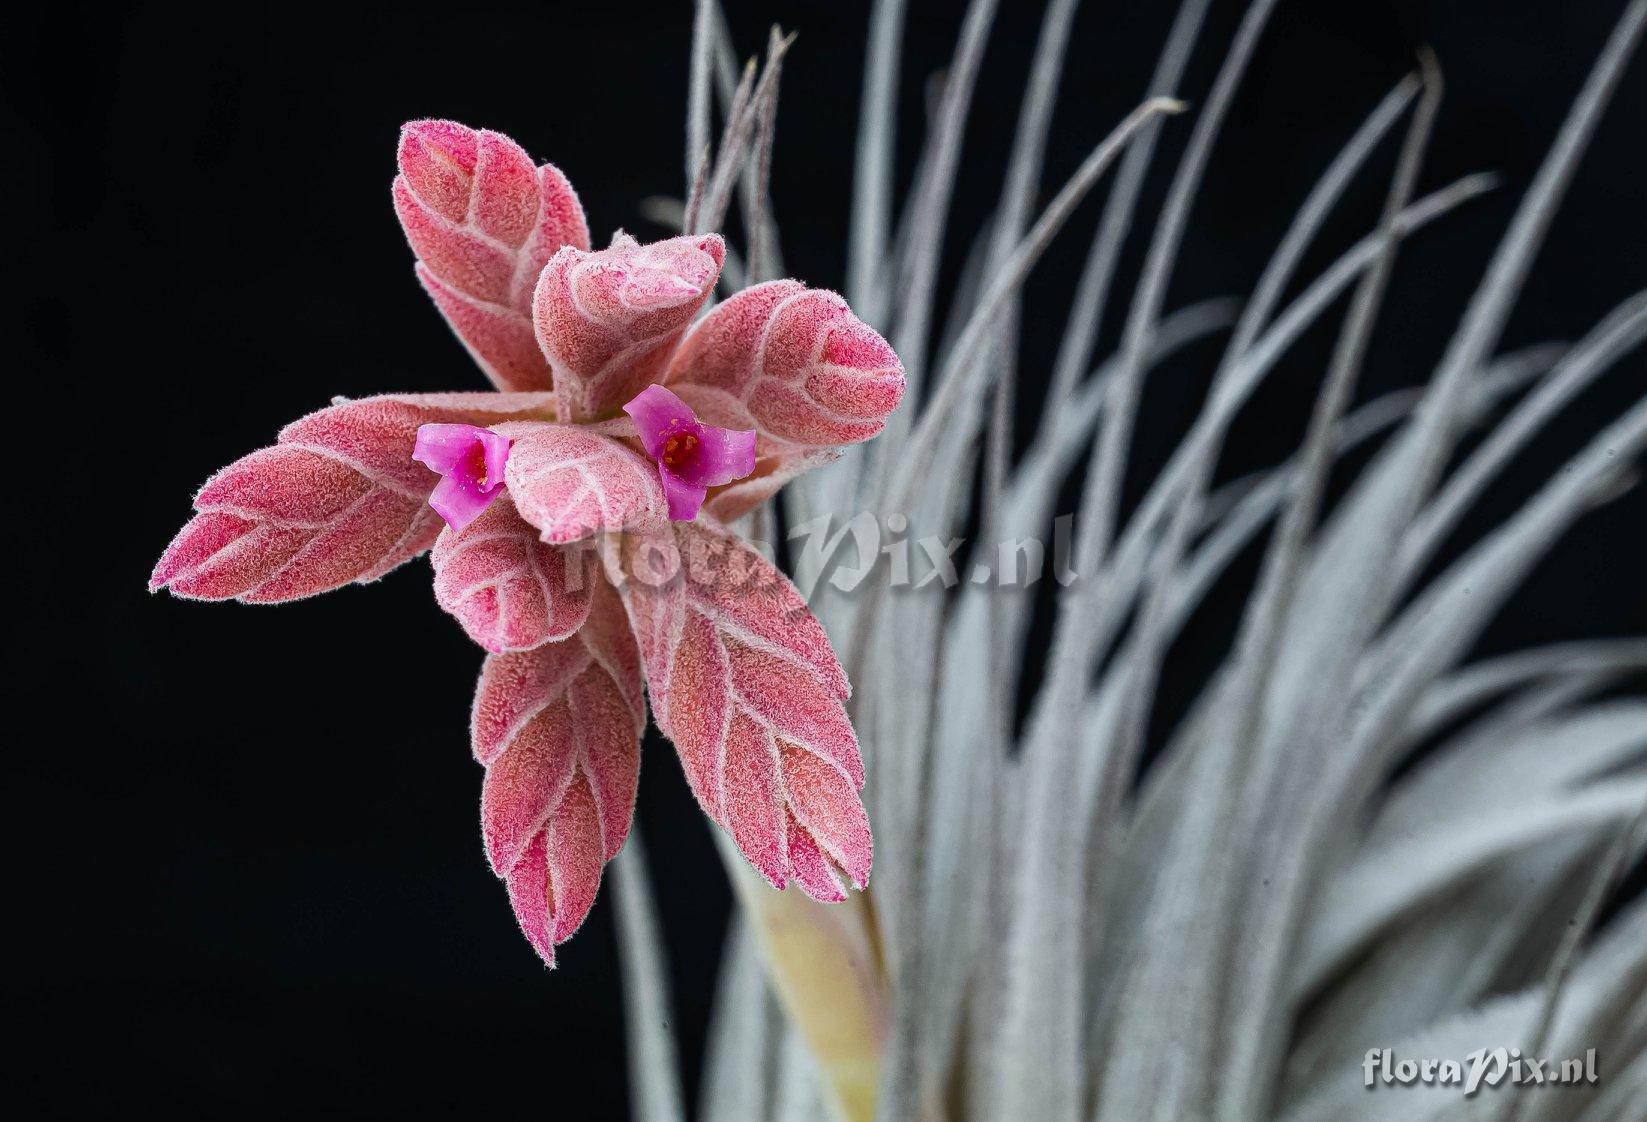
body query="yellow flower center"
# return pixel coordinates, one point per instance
(678, 448)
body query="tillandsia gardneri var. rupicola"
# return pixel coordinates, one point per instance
(619, 424)
(1064, 934)
(1050, 938)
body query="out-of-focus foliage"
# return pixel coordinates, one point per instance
(1226, 939)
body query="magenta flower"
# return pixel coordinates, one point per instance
(471, 459)
(692, 456)
(683, 613)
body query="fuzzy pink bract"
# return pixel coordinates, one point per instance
(516, 490)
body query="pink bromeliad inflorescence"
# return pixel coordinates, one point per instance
(577, 520)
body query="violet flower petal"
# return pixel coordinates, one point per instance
(459, 501)
(723, 455)
(442, 447)
(684, 498)
(496, 453)
(657, 413)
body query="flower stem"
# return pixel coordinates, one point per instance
(823, 965)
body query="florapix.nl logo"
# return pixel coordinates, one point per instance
(1484, 1067)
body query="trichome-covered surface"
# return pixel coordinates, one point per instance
(1046, 937)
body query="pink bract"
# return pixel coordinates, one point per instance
(571, 483)
(609, 321)
(510, 590)
(683, 612)
(483, 221)
(743, 679)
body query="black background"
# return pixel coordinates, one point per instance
(251, 877)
